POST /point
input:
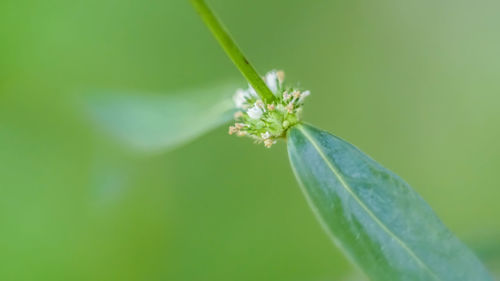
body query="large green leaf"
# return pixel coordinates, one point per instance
(159, 122)
(376, 218)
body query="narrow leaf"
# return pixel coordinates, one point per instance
(376, 218)
(159, 122)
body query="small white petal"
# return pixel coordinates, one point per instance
(268, 143)
(254, 112)
(240, 98)
(286, 96)
(265, 135)
(303, 96)
(281, 76)
(251, 91)
(272, 81)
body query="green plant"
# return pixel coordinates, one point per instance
(380, 223)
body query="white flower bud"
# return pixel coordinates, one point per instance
(268, 143)
(303, 96)
(281, 76)
(272, 81)
(254, 112)
(251, 92)
(240, 98)
(265, 135)
(286, 96)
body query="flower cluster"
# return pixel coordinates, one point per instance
(267, 122)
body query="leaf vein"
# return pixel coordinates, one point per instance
(360, 202)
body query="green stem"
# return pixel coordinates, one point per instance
(232, 50)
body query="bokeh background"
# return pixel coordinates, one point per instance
(415, 84)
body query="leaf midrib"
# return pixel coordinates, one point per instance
(360, 202)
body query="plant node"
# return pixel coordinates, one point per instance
(267, 122)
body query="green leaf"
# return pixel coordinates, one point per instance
(376, 218)
(153, 123)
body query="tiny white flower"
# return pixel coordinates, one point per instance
(251, 92)
(303, 96)
(272, 81)
(286, 96)
(240, 98)
(268, 143)
(265, 135)
(281, 76)
(254, 112)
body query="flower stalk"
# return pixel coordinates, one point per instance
(232, 50)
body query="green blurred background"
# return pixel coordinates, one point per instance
(415, 84)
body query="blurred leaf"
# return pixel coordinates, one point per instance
(159, 122)
(384, 226)
(487, 248)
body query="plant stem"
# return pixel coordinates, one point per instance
(232, 50)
